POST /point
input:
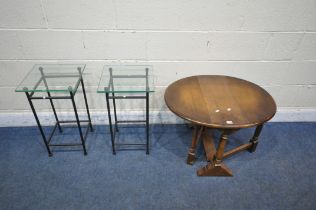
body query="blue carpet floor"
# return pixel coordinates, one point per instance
(279, 175)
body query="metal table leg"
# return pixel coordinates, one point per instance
(39, 124)
(147, 123)
(78, 122)
(50, 99)
(86, 102)
(110, 122)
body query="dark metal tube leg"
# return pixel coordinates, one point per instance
(39, 124)
(147, 123)
(115, 116)
(255, 139)
(53, 107)
(147, 112)
(78, 123)
(114, 104)
(110, 123)
(86, 102)
(51, 100)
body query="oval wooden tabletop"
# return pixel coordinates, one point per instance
(220, 101)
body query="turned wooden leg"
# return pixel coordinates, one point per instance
(195, 139)
(216, 167)
(255, 138)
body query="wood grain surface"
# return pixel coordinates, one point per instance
(220, 101)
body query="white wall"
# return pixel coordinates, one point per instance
(269, 42)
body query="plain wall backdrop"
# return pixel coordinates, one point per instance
(268, 42)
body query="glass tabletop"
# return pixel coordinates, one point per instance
(126, 79)
(52, 78)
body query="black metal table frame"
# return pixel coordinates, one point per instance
(30, 97)
(113, 97)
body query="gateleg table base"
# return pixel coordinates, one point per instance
(214, 156)
(212, 169)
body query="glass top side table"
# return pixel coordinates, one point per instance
(54, 78)
(127, 79)
(123, 82)
(57, 78)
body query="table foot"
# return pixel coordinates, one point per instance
(214, 170)
(191, 158)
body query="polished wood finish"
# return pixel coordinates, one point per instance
(254, 139)
(215, 167)
(237, 149)
(195, 139)
(219, 102)
(209, 146)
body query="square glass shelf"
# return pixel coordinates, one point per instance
(52, 78)
(126, 79)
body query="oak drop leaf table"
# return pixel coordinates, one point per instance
(219, 102)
